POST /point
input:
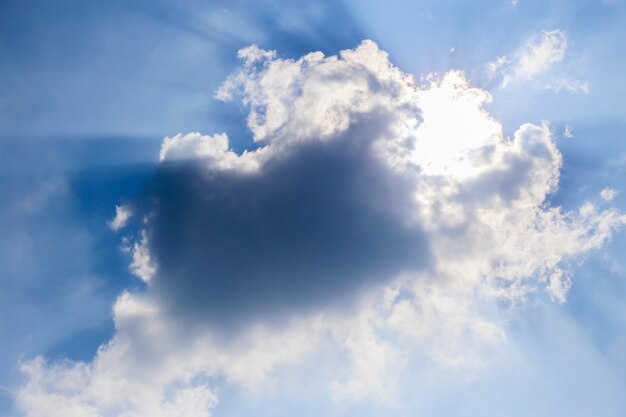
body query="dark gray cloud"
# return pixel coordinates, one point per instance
(315, 226)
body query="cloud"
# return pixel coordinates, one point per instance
(539, 54)
(569, 85)
(535, 61)
(383, 221)
(122, 215)
(121, 381)
(316, 224)
(142, 264)
(196, 146)
(313, 215)
(608, 194)
(568, 132)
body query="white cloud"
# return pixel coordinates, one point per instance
(142, 264)
(559, 284)
(534, 62)
(212, 149)
(122, 215)
(192, 146)
(569, 85)
(568, 132)
(481, 199)
(127, 378)
(493, 68)
(538, 55)
(302, 100)
(608, 194)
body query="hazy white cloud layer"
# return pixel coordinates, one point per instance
(371, 171)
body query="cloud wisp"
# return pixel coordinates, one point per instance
(363, 185)
(122, 215)
(535, 61)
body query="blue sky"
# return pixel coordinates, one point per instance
(460, 313)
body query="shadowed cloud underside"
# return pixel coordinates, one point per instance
(311, 227)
